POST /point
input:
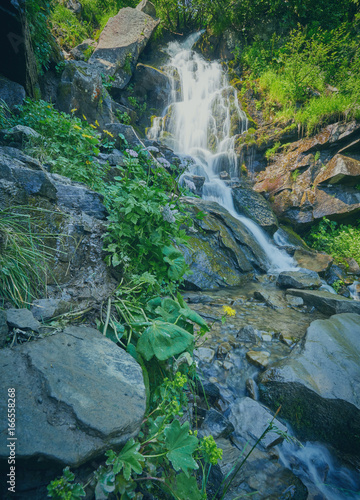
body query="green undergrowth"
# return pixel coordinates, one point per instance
(340, 240)
(309, 77)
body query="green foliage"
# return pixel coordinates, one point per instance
(270, 153)
(337, 285)
(67, 28)
(295, 174)
(341, 241)
(64, 488)
(123, 117)
(37, 14)
(23, 256)
(67, 144)
(180, 446)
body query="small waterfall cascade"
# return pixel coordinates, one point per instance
(200, 125)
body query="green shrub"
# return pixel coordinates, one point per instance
(341, 241)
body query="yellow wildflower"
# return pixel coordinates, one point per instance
(73, 110)
(77, 127)
(108, 133)
(229, 311)
(92, 126)
(84, 117)
(87, 136)
(48, 107)
(88, 162)
(97, 123)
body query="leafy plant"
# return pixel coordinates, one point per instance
(270, 153)
(64, 488)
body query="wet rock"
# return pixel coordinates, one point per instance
(334, 273)
(44, 309)
(272, 299)
(314, 261)
(120, 44)
(250, 419)
(251, 388)
(222, 251)
(28, 161)
(223, 349)
(294, 301)
(3, 328)
(354, 267)
(11, 92)
(327, 302)
(79, 52)
(204, 354)
(261, 474)
(249, 334)
(59, 382)
(147, 7)
(318, 384)
(288, 339)
(23, 319)
(152, 85)
(81, 89)
(216, 425)
(208, 390)
(253, 205)
(301, 279)
(258, 358)
(116, 157)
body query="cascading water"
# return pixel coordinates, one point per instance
(201, 122)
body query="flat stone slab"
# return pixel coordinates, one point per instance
(250, 419)
(301, 279)
(77, 395)
(318, 385)
(23, 319)
(326, 302)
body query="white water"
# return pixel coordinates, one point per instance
(200, 122)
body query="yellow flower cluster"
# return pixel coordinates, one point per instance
(229, 311)
(87, 136)
(77, 127)
(108, 133)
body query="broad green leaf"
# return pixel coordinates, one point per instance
(169, 310)
(176, 261)
(128, 459)
(105, 486)
(186, 487)
(180, 446)
(163, 340)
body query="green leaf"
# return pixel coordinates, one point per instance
(128, 459)
(176, 261)
(186, 487)
(180, 446)
(169, 310)
(163, 340)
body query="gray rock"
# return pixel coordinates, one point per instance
(253, 205)
(302, 279)
(153, 84)
(147, 7)
(294, 301)
(23, 319)
(249, 334)
(326, 302)
(18, 134)
(44, 309)
(215, 425)
(120, 44)
(250, 419)
(335, 273)
(78, 394)
(81, 88)
(222, 251)
(3, 328)
(28, 161)
(272, 298)
(79, 51)
(12, 93)
(74, 195)
(251, 388)
(318, 385)
(204, 354)
(258, 358)
(74, 6)
(127, 131)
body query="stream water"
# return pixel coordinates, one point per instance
(200, 123)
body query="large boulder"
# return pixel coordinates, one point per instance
(340, 170)
(299, 279)
(253, 205)
(77, 395)
(151, 85)
(221, 250)
(81, 91)
(13, 94)
(318, 385)
(147, 7)
(326, 302)
(120, 44)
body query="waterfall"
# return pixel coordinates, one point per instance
(201, 122)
